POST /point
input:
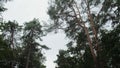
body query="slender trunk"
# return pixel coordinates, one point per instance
(29, 51)
(12, 39)
(91, 47)
(28, 57)
(92, 25)
(12, 46)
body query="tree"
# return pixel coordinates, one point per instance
(80, 18)
(6, 52)
(9, 32)
(25, 52)
(32, 56)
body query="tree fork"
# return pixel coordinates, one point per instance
(92, 24)
(88, 36)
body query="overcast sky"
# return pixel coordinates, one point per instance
(26, 10)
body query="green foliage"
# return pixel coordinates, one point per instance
(72, 13)
(32, 51)
(110, 45)
(17, 48)
(14, 49)
(6, 54)
(8, 32)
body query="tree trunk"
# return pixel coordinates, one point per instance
(80, 23)
(28, 58)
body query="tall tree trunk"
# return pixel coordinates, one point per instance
(81, 23)
(12, 46)
(28, 58)
(96, 45)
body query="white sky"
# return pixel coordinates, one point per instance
(26, 10)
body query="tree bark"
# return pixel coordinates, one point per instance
(80, 23)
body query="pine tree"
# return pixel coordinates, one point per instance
(9, 32)
(32, 56)
(85, 26)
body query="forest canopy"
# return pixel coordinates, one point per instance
(92, 26)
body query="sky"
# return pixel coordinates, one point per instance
(25, 11)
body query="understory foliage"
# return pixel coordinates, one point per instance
(93, 26)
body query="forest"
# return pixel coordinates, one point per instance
(92, 26)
